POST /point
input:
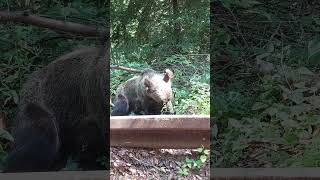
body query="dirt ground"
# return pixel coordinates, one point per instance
(136, 164)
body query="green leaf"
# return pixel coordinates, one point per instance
(11, 78)
(203, 158)
(283, 115)
(188, 160)
(199, 150)
(271, 111)
(263, 55)
(290, 139)
(307, 20)
(298, 109)
(305, 134)
(197, 163)
(258, 106)
(234, 123)
(6, 135)
(247, 3)
(314, 50)
(313, 100)
(226, 3)
(285, 90)
(71, 165)
(271, 132)
(260, 12)
(290, 123)
(183, 171)
(305, 71)
(300, 84)
(296, 97)
(15, 96)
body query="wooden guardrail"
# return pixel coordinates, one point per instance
(60, 175)
(160, 131)
(265, 173)
(216, 174)
(166, 131)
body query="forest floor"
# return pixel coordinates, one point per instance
(137, 163)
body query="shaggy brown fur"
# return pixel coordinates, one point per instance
(148, 93)
(67, 99)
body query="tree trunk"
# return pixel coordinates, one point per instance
(176, 24)
(142, 32)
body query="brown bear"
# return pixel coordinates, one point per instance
(147, 93)
(62, 112)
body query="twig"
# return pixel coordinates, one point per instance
(238, 27)
(125, 68)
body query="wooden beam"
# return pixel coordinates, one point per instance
(264, 173)
(60, 175)
(160, 131)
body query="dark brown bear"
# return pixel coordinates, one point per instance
(62, 112)
(147, 93)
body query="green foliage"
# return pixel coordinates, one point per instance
(240, 3)
(72, 165)
(193, 163)
(314, 49)
(103, 161)
(196, 98)
(265, 116)
(6, 135)
(3, 153)
(144, 36)
(285, 114)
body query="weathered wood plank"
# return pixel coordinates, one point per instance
(160, 131)
(60, 175)
(264, 173)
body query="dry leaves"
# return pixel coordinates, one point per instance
(137, 163)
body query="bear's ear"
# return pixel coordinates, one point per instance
(35, 111)
(168, 75)
(147, 71)
(121, 96)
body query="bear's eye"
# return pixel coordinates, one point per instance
(151, 90)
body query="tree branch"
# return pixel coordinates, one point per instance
(125, 68)
(25, 17)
